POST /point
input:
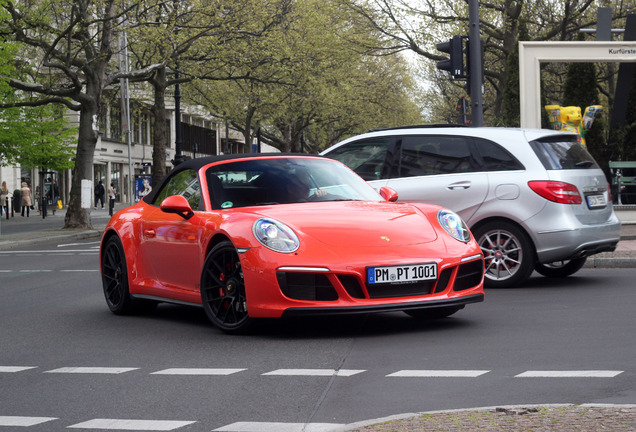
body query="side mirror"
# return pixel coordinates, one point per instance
(177, 204)
(388, 194)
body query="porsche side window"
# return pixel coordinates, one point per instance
(184, 183)
(366, 158)
(430, 155)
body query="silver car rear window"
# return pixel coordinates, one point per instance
(562, 154)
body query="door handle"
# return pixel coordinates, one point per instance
(460, 185)
(150, 233)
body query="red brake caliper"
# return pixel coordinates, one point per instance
(221, 288)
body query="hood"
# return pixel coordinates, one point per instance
(359, 223)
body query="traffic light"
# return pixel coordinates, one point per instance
(462, 111)
(454, 64)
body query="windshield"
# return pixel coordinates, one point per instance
(284, 180)
(563, 154)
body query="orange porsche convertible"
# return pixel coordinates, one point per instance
(267, 236)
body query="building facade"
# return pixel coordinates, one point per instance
(128, 166)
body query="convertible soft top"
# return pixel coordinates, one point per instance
(198, 163)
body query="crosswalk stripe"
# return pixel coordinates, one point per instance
(570, 374)
(438, 373)
(408, 373)
(197, 371)
(92, 370)
(279, 427)
(15, 368)
(315, 372)
(119, 424)
(24, 421)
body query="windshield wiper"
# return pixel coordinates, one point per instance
(584, 164)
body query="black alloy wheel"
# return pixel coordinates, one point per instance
(223, 290)
(115, 282)
(115, 277)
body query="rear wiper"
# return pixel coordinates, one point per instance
(584, 164)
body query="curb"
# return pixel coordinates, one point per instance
(46, 236)
(611, 262)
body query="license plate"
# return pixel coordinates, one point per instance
(400, 274)
(596, 201)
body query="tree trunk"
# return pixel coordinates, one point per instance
(160, 133)
(76, 216)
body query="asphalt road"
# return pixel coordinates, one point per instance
(66, 361)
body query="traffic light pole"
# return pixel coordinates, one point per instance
(474, 53)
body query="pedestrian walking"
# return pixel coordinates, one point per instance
(99, 193)
(112, 193)
(4, 201)
(25, 197)
(54, 194)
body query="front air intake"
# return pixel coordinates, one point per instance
(306, 286)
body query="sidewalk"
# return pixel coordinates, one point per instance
(21, 230)
(558, 418)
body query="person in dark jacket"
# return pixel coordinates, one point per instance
(99, 193)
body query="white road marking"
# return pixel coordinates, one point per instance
(120, 424)
(23, 421)
(41, 252)
(315, 372)
(50, 271)
(15, 368)
(77, 244)
(92, 370)
(197, 371)
(279, 427)
(570, 374)
(438, 373)
(79, 271)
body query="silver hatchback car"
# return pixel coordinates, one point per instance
(534, 199)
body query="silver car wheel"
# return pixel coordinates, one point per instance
(508, 254)
(502, 254)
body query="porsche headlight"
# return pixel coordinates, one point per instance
(453, 225)
(275, 235)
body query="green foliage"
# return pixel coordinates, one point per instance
(622, 140)
(305, 78)
(580, 86)
(511, 113)
(580, 89)
(510, 110)
(32, 136)
(37, 137)
(418, 26)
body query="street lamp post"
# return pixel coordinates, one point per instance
(178, 157)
